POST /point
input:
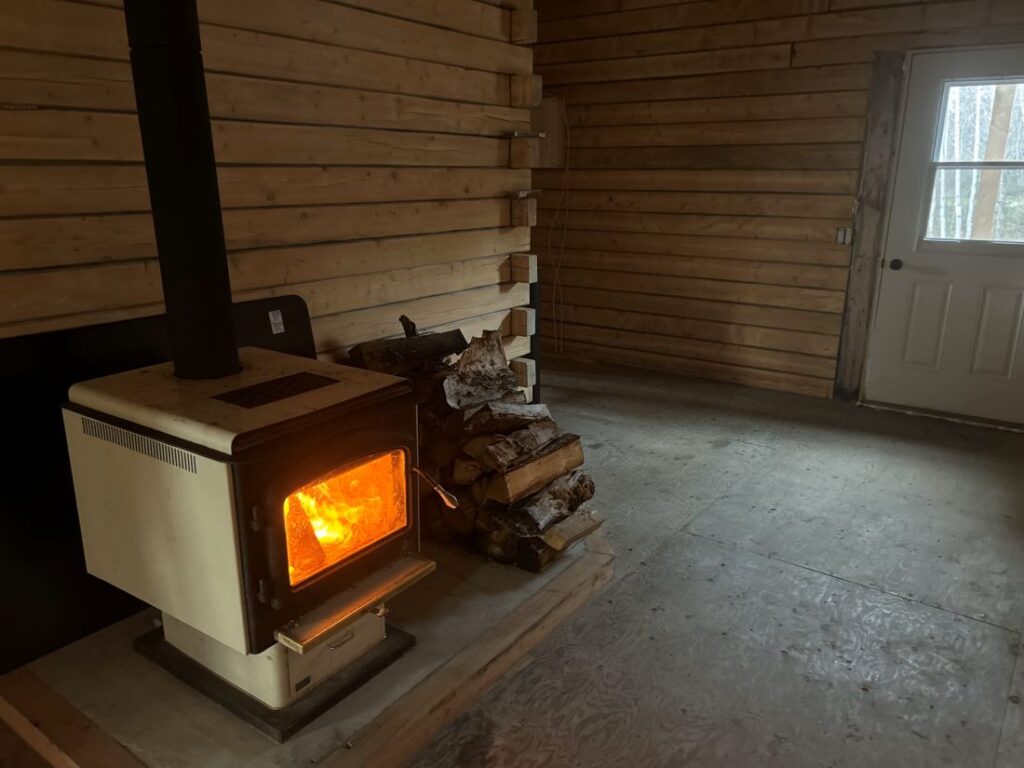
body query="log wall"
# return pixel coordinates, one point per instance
(715, 148)
(361, 149)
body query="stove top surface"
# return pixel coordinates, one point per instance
(271, 388)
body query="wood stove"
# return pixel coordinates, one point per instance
(268, 514)
(265, 503)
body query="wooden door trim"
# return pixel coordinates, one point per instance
(880, 150)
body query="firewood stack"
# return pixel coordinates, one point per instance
(519, 481)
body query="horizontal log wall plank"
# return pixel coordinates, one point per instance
(354, 28)
(823, 182)
(29, 243)
(751, 249)
(704, 369)
(461, 15)
(761, 273)
(46, 80)
(808, 206)
(614, 309)
(715, 151)
(825, 79)
(733, 292)
(767, 227)
(59, 135)
(362, 163)
(782, 107)
(79, 29)
(695, 349)
(50, 190)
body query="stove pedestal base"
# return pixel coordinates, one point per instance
(279, 724)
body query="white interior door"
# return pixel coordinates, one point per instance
(947, 327)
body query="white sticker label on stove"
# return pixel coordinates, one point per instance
(276, 322)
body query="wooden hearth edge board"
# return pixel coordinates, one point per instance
(65, 738)
(54, 729)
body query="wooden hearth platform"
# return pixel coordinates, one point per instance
(99, 704)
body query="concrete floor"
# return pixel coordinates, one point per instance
(799, 583)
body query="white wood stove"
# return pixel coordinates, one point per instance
(268, 514)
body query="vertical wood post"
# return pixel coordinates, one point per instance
(872, 205)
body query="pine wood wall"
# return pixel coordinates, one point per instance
(361, 154)
(715, 149)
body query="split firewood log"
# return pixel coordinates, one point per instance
(509, 450)
(466, 471)
(481, 374)
(559, 499)
(409, 356)
(475, 448)
(495, 536)
(478, 490)
(557, 458)
(578, 525)
(534, 555)
(502, 418)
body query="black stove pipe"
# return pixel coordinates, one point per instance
(174, 118)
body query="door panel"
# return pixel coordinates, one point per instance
(995, 346)
(926, 328)
(946, 334)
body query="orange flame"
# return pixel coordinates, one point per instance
(339, 515)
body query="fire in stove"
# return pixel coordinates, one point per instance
(338, 516)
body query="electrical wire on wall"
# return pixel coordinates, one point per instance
(557, 301)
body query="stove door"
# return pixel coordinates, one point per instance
(323, 510)
(339, 515)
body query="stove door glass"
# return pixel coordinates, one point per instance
(342, 513)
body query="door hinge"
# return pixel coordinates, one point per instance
(844, 236)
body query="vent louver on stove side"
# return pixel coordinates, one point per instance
(140, 444)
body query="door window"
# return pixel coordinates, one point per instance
(978, 164)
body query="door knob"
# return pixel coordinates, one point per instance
(896, 264)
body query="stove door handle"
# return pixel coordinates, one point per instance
(447, 497)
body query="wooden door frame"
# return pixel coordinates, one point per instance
(881, 146)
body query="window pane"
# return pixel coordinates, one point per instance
(983, 122)
(977, 205)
